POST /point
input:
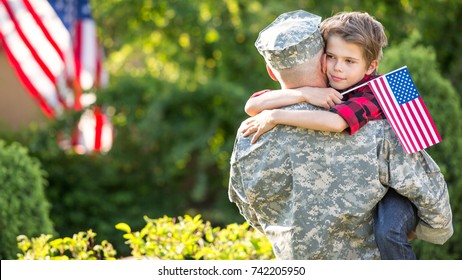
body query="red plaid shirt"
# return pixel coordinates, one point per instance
(258, 93)
(358, 108)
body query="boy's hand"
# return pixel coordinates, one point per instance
(258, 125)
(411, 235)
(321, 97)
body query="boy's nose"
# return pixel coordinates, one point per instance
(338, 67)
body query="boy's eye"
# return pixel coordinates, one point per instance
(330, 56)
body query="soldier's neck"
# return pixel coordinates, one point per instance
(320, 82)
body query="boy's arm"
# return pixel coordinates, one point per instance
(321, 97)
(315, 120)
(350, 116)
(359, 110)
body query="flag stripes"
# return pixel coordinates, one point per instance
(410, 120)
(53, 48)
(32, 52)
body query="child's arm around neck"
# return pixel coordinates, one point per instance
(266, 100)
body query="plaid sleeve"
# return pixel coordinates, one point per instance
(258, 93)
(359, 110)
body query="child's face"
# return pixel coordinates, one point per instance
(346, 65)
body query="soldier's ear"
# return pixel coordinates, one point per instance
(324, 63)
(270, 73)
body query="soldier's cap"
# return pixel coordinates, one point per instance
(291, 39)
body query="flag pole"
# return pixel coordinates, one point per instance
(350, 90)
(361, 85)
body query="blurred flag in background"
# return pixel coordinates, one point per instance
(84, 71)
(53, 47)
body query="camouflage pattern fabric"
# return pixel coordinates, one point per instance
(418, 177)
(313, 194)
(291, 39)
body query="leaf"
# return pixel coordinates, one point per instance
(123, 227)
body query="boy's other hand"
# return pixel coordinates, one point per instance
(411, 235)
(258, 125)
(321, 97)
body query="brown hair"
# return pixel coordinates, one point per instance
(358, 28)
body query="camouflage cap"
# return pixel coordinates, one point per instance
(290, 40)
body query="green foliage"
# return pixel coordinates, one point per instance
(189, 238)
(24, 209)
(80, 247)
(439, 27)
(444, 105)
(165, 238)
(192, 42)
(186, 42)
(170, 156)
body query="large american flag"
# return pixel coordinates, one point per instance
(53, 48)
(405, 110)
(85, 70)
(36, 44)
(52, 45)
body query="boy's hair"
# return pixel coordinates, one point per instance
(358, 28)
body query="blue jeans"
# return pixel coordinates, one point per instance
(395, 217)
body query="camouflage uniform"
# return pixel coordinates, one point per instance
(313, 193)
(417, 177)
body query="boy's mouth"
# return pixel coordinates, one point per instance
(336, 79)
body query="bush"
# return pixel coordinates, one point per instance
(188, 238)
(182, 238)
(80, 247)
(24, 208)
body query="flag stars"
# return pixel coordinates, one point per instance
(402, 86)
(406, 112)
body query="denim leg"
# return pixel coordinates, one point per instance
(395, 217)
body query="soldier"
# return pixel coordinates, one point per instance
(313, 194)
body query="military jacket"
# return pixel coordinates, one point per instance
(313, 194)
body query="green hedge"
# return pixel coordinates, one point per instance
(166, 238)
(24, 209)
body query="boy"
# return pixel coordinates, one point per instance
(354, 43)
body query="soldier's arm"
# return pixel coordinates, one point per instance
(321, 97)
(237, 196)
(247, 212)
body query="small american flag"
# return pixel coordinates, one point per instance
(405, 110)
